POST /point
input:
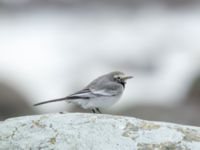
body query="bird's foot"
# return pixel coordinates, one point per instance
(97, 109)
(93, 111)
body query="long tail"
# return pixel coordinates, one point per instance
(50, 101)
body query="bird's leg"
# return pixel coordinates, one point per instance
(93, 110)
(98, 110)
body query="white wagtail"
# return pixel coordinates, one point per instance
(100, 93)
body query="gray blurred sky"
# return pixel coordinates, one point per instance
(51, 48)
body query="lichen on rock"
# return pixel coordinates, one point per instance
(81, 131)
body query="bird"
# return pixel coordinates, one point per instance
(102, 92)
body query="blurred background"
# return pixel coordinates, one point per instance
(52, 48)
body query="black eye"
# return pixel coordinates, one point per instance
(118, 78)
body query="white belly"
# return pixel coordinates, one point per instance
(100, 102)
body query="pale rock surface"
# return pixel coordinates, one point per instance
(78, 131)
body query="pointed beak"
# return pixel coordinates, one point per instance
(127, 77)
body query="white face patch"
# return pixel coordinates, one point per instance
(118, 76)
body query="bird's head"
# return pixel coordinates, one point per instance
(120, 77)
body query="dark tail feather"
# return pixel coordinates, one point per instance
(50, 101)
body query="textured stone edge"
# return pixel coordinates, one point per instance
(129, 132)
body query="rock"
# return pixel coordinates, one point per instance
(81, 131)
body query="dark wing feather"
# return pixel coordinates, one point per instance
(83, 94)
